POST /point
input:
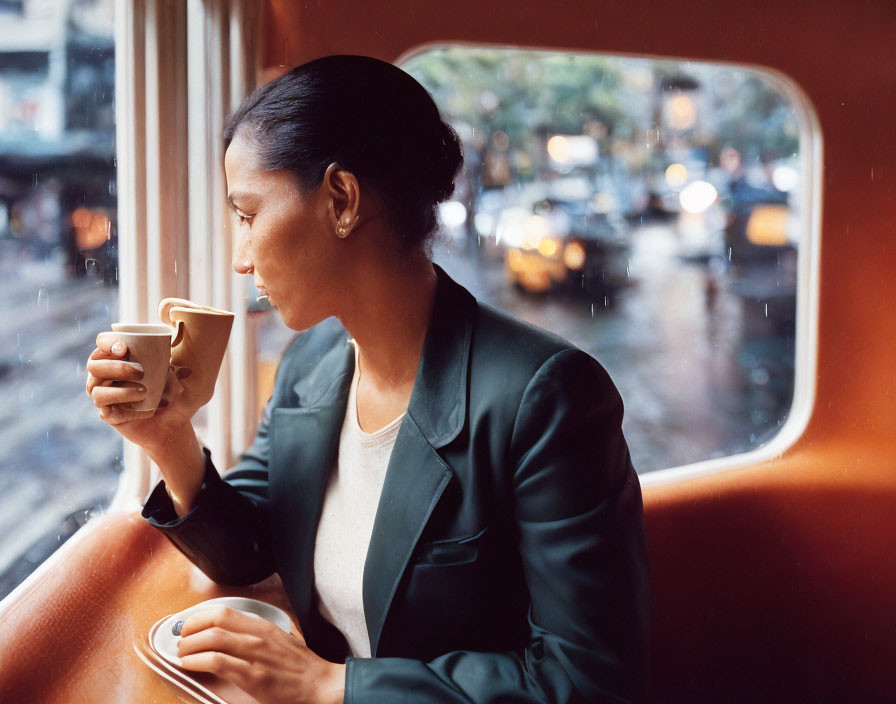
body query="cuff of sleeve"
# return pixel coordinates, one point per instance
(159, 509)
(349, 695)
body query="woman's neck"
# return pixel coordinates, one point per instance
(388, 318)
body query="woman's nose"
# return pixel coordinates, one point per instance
(242, 262)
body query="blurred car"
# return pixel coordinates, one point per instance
(762, 240)
(564, 244)
(758, 226)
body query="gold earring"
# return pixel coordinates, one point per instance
(341, 232)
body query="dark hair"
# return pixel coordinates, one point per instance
(370, 117)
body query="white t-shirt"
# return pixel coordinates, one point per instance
(346, 522)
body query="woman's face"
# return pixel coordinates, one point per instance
(284, 237)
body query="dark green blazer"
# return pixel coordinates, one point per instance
(507, 562)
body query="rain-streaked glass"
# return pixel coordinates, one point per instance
(59, 463)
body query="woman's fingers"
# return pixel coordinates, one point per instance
(116, 370)
(111, 345)
(254, 654)
(112, 395)
(220, 640)
(227, 630)
(221, 664)
(116, 415)
(225, 618)
(225, 642)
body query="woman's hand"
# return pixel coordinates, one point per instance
(259, 658)
(167, 435)
(108, 364)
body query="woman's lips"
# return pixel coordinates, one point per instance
(263, 294)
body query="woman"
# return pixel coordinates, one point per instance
(445, 491)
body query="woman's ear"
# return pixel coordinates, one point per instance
(344, 193)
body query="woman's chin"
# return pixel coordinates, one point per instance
(298, 321)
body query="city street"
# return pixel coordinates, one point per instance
(685, 369)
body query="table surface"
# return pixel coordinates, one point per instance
(69, 634)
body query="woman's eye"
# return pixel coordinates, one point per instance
(243, 218)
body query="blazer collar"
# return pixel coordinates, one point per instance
(439, 397)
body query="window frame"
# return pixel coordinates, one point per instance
(180, 69)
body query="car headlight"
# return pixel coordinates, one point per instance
(548, 246)
(767, 225)
(574, 255)
(536, 229)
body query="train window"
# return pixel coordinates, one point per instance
(59, 279)
(648, 210)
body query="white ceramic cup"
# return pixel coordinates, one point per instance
(150, 346)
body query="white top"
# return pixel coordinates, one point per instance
(346, 522)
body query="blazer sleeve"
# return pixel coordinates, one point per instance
(226, 533)
(577, 506)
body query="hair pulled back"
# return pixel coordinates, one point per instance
(370, 117)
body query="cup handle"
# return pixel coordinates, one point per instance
(166, 304)
(178, 333)
(165, 307)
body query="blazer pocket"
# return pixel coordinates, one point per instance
(453, 551)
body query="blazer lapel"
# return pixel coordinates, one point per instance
(414, 482)
(303, 447)
(417, 475)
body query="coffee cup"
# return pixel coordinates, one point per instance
(150, 345)
(191, 335)
(199, 341)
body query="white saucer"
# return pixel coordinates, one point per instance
(164, 642)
